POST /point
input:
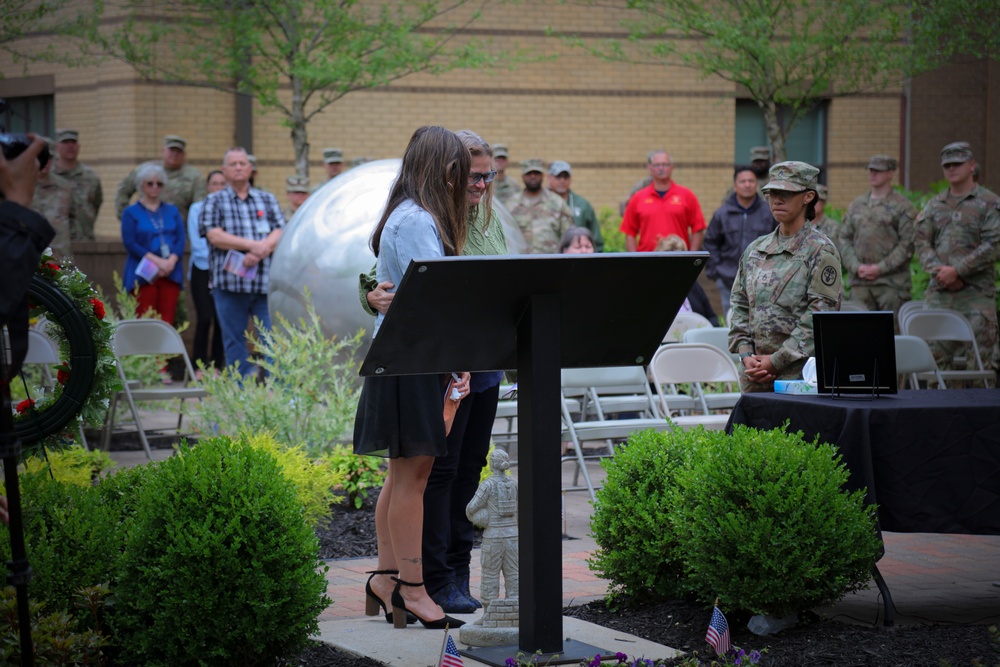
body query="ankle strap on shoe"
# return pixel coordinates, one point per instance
(406, 583)
(382, 572)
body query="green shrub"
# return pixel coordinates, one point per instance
(764, 524)
(308, 399)
(55, 637)
(611, 222)
(637, 550)
(220, 565)
(74, 464)
(357, 474)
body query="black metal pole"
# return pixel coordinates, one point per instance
(20, 570)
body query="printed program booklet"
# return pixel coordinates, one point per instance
(147, 269)
(234, 264)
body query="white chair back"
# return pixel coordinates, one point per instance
(682, 323)
(717, 337)
(913, 356)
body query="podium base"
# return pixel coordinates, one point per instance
(573, 653)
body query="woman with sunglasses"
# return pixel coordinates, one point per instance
(783, 277)
(153, 235)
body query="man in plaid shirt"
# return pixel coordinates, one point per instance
(243, 226)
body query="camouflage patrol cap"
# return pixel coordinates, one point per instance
(533, 164)
(500, 150)
(253, 161)
(175, 141)
(559, 167)
(822, 192)
(760, 153)
(959, 151)
(297, 184)
(67, 135)
(792, 177)
(882, 163)
(331, 155)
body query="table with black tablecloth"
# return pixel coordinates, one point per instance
(929, 459)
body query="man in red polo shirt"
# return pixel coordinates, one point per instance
(661, 209)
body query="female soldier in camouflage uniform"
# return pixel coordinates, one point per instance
(783, 277)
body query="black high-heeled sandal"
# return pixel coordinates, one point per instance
(374, 603)
(399, 611)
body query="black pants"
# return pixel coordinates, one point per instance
(448, 533)
(205, 321)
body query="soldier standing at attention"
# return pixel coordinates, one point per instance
(560, 177)
(957, 241)
(542, 215)
(296, 192)
(55, 199)
(86, 184)
(505, 188)
(876, 241)
(661, 209)
(783, 278)
(185, 184)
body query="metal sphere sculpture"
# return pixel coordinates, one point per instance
(325, 247)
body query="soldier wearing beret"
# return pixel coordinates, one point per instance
(296, 192)
(504, 187)
(957, 241)
(86, 183)
(783, 278)
(56, 200)
(185, 184)
(542, 216)
(560, 178)
(876, 241)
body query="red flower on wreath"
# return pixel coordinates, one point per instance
(53, 266)
(62, 375)
(24, 406)
(98, 308)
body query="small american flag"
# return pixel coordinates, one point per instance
(718, 632)
(450, 657)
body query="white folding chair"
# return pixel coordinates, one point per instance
(43, 352)
(149, 337)
(682, 323)
(942, 324)
(715, 336)
(694, 363)
(906, 309)
(577, 428)
(913, 358)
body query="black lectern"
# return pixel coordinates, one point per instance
(537, 314)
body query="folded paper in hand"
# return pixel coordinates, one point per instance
(234, 264)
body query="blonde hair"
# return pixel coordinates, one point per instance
(671, 243)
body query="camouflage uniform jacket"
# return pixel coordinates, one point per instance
(55, 199)
(543, 220)
(965, 235)
(829, 226)
(89, 197)
(780, 283)
(506, 189)
(880, 232)
(184, 187)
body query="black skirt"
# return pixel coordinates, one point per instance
(401, 416)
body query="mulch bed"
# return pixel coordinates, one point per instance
(681, 625)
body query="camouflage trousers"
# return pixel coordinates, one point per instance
(981, 311)
(881, 297)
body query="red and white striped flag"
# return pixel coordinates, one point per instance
(450, 656)
(718, 632)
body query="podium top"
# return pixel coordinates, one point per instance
(462, 313)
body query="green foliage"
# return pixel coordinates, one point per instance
(220, 565)
(763, 523)
(611, 222)
(637, 549)
(308, 399)
(705, 514)
(314, 480)
(55, 637)
(357, 474)
(74, 465)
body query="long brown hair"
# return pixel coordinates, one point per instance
(434, 174)
(478, 147)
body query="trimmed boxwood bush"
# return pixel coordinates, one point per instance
(220, 565)
(758, 519)
(638, 550)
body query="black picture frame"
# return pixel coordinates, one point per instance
(855, 353)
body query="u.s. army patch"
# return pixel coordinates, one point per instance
(829, 276)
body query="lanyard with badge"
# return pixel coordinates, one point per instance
(156, 217)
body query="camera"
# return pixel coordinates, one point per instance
(15, 144)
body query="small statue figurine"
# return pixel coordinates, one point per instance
(494, 508)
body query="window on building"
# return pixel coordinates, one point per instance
(806, 142)
(30, 114)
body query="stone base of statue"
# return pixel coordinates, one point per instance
(496, 627)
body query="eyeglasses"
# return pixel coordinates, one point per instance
(475, 177)
(661, 165)
(150, 184)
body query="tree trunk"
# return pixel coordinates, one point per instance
(300, 133)
(775, 133)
